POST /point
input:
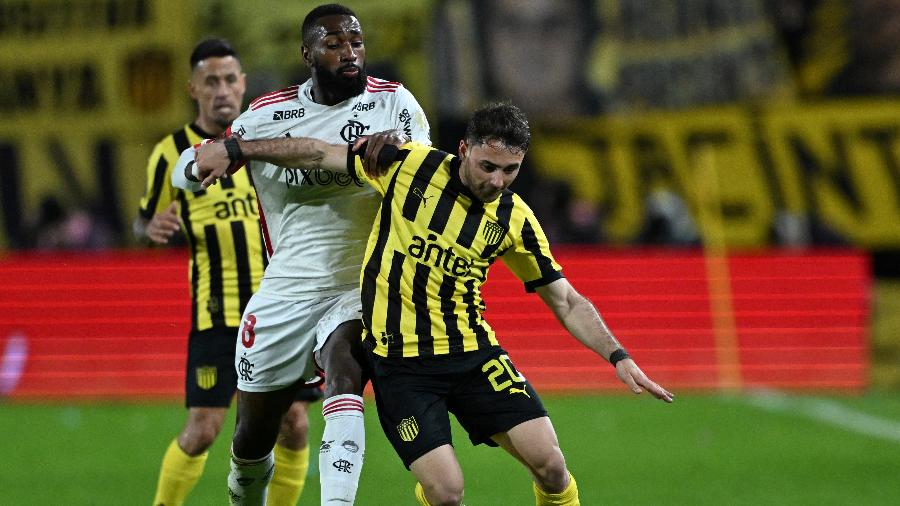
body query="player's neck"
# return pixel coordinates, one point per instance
(322, 96)
(210, 127)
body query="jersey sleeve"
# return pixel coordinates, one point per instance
(380, 182)
(529, 257)
(245, 126)
(178, 178)
(411, 117)
(158, 194)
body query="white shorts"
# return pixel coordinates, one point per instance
(277, 338)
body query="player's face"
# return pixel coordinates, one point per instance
(218, 86)
(489, 168)
(337, 58)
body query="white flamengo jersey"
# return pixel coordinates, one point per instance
(316, 222)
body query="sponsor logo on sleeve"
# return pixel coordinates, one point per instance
(406, 120)
(290, 114)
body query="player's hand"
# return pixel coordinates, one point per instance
(377, 141)
(637, 381)
(212, 162)
(163, 225)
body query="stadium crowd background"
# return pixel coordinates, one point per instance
(790, 104)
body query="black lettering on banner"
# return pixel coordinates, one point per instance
(708, 142)
(821, 172)
(11, 195)
(838, 165)
(56, 88)
(654, 164)
(884, 139)
(63, 17)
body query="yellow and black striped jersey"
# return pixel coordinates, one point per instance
(429, 252)
(221, 224)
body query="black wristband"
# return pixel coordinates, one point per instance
(234, 149)
(189, 172)
(618, 355)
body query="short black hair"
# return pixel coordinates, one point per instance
(210, 48)
(320, 12)
(499, 121)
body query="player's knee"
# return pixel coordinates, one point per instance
(295, 424)
(342, 381)
(551, 473)
(250, 443)
(198, 439)
(200, 432)
(444, 493)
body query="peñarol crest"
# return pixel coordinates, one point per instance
(408, 429)
(206, 376)
(493, 233)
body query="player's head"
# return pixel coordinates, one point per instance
(333, 49)
(497, 138)
(217, 84)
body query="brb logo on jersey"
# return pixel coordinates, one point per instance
(294, 114)
(353, 130)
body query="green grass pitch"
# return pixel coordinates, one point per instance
(712, 449)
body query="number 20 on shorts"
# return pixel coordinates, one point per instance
(502, 373)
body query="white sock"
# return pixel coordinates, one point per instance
(343, 448)
(248, 480)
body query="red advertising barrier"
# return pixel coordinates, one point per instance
(114, 324)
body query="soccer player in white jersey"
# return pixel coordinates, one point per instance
(316, 224)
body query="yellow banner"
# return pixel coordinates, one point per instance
(86, 89)
(835, 162)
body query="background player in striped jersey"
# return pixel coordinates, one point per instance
(316, 224)
(442, 222)
(227, 261)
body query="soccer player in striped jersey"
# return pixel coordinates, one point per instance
(221, 225)
(443, 220)
(316, 224)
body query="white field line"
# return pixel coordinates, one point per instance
(827, 412)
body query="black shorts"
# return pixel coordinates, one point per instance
(481, 388)
(211, 379)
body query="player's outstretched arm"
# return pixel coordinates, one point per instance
(582, 320)
(213, 159)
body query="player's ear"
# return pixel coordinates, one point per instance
(192, 90)
(306, 54)
(242, 80)
(463, 148)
